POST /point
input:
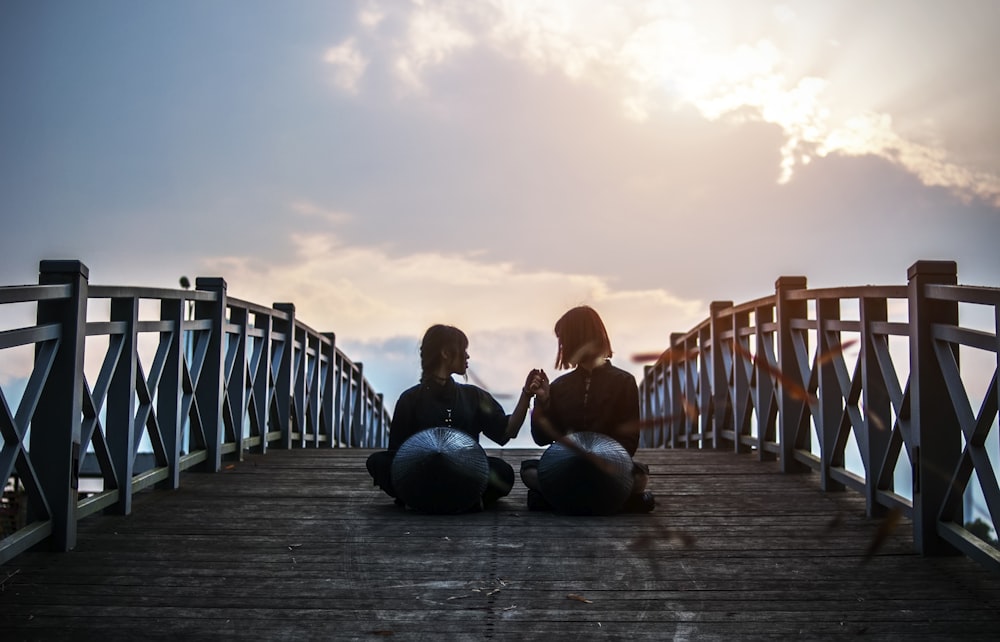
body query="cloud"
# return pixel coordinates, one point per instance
(366, 292)
(309, 209)
(349, 65)
(656, 56)
(369, 297)
(433, 35)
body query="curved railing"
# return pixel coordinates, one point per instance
(770, 376)
(222, 376)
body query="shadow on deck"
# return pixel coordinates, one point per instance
(298, 545)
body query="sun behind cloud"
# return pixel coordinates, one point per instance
(761, 62)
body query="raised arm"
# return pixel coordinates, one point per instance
(516, 419)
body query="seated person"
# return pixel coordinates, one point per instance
(594, 397)
(439, 401)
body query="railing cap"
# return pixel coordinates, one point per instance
(935, 268)
(210, 283)
(790, 283)
(64, 266)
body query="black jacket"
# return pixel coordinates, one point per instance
(461, 406)
(604, 400)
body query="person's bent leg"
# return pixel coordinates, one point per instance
(640, 500)
(640, 477)
(500, 482)
(529, 475)
(380, 468)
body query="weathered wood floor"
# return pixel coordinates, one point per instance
(298, 545)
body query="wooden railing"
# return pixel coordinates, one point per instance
(226, 376)
(770, 377)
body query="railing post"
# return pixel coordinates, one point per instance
(830, 400)
(329, 384)
(790, 405)
(381, 434)
(722, 410)
(342, 401)
(170, 391)
(937, 444)
(876, 403)
(120, 410)
(358, 434)
(212, 378)
(54, 443)
(284, 376)
(646, 412)
(678, 417)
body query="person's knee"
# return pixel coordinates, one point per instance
(379, 466)
(529, 474)
(640, 477)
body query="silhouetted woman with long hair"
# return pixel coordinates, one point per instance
(439, 401)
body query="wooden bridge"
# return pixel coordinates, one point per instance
(254, 516)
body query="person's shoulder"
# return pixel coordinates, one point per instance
(472, 390)
(564, 378)
(619, 373)
(409, 392)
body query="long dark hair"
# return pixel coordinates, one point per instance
(582, 337)
(439, 338)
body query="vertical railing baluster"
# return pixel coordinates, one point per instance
(791, 386)
(300, 380)
(55, 426)
(705, 356)
(935, 428)
(315, 388)
(263, 323)
(236, 385)
(767, 432)
(120, 409)
(284, 376)
(742, 407)
(211, 380)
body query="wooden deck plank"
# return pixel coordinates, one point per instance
(299, 545)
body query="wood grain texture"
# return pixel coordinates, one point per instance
(298, 545)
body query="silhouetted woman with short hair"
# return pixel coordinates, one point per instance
(595, 396)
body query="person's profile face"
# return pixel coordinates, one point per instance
(458, 361)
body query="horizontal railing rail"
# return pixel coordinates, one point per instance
(206, 380)
(771, 377)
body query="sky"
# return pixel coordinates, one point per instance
(390, 165)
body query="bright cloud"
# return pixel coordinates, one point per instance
(369, 295)
(677, 54)
(433, 36)
(349, 65)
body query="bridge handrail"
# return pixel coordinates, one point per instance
(228, 376)
(746, 379)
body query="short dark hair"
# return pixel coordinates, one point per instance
(438, 338)
(582, 336)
